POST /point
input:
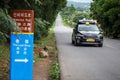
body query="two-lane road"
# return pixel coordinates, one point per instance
(86, 62)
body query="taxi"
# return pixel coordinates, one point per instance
(87, 32)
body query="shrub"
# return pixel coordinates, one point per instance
(7, 24)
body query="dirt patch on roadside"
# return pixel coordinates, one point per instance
(41, 69)
(41, 66)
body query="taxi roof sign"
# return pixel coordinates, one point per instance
(87, 23)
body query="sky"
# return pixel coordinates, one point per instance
(81, 0)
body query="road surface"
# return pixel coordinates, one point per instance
(86, 62)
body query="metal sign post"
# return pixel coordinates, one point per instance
(21, 48)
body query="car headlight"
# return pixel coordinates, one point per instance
(80, 35)
(100, 35)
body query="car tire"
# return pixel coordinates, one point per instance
(76, 43)
(100, 45)
(72, 41)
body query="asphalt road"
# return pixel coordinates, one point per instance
(87, 62)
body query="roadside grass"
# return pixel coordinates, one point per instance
(50, 43)
(4, 61)
(55, 71)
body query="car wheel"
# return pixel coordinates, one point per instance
(72, 41)
(76, 43)
(100, 45)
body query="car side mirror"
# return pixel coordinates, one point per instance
(74, 30)
(101, 31)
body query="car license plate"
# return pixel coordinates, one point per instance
(90, 40)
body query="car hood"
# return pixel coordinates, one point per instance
(89, 32)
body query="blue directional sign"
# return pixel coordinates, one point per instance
(21, 57)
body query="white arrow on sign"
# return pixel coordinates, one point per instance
(21, 60)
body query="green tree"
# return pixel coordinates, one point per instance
(67, 14)
(107, 13)
(6, 26)
(71, 15)
(80, 15)
(45, 12)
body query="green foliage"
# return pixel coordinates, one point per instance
(4, 62)
(80, 15)
(71, 16)
(51, 8)
(45, 10)
(26, 5)
(6, 25)
(80, 5)
(67, 13)
(4, 4)
(54, 72)
(40, 28)
(107, 13)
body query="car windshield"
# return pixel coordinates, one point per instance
(87, 28)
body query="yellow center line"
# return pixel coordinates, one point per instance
(109, 46)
